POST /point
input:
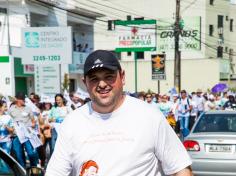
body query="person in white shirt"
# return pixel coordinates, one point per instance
(210, 104)
(76, 101)
(116, 134)
(184, 110)
(200, 101)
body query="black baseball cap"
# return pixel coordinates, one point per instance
(20, 96)
(101, 59)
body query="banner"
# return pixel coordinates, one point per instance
(158, 67)
(136, 35)
(190, 36)
(47, 45)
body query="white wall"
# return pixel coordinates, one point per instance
(7, 73)
(201, 73)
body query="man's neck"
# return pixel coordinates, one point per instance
(105, 110)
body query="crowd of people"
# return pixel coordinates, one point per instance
(182, 110)
(43, 118)
(28, 126)
(24, 117)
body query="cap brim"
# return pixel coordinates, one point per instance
(109, 67)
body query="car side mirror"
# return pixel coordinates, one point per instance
(35, 171)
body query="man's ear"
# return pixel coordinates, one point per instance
(84, 80)
(123, 76)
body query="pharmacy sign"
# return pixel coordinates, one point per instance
(136, 35)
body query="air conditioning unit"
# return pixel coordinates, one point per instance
(220, 30)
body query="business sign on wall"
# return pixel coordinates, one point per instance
(47, 45)
(136, 35)
(158, 67)
(190, 36)
(47, 80)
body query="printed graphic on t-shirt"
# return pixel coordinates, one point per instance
(89, 168)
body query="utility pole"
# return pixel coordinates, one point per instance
(177, 62)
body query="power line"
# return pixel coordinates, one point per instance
(55, 6)
(187, 7)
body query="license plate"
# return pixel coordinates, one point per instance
(220, 148)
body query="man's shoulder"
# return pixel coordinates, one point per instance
(136, 103)
(140, 107)
(78, 113)
(27, 109)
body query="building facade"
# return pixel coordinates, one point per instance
(16, 15)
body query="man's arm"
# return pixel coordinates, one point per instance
(171, 152)
(184, 172)
(60, 163)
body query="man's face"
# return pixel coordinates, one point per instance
(183, 95)
(20, 102)
(75, 99)
(199, 94)
(105, 88)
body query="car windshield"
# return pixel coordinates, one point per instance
(216, 123)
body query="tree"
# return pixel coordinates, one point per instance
(66, 82)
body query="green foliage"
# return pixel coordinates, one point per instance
(232, 89)
(66, 82)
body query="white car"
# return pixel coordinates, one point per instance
(212, 144)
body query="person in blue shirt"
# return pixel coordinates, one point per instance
(6, 129)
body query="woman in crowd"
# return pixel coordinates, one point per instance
(56, 116)
(45, 130)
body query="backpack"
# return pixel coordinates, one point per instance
(190, 106)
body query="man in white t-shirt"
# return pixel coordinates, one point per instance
(115, 134)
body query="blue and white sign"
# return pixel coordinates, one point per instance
(47, 45)
(47, 80)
